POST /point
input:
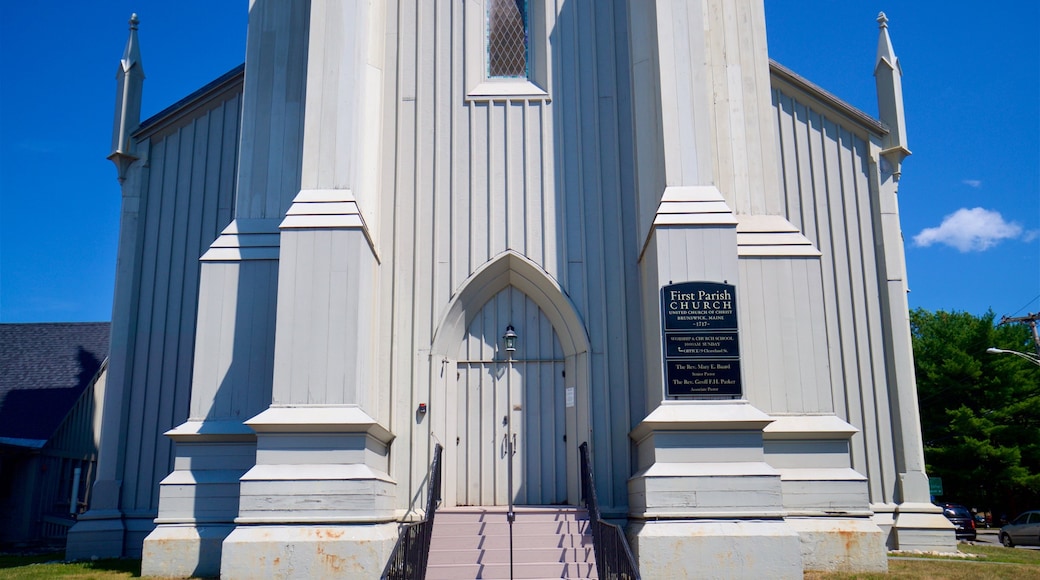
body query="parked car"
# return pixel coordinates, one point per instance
(1022, 531)
(961, 518)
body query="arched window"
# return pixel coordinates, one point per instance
(507, 39)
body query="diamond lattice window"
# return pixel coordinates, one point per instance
(507, 39)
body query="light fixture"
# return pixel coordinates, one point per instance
(1029, 357)
(510, 339)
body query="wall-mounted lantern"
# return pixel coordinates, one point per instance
(510, 339)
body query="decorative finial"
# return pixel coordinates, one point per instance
(888, 74)
(129, 84)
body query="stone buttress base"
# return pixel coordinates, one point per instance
(752, 549)
(922, 527)
(198, 500)
(917, 525)
(841, 544)
(183, 551)
(96, 534)
(308, 551)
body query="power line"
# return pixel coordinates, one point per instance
(1024, 306)
(1030, 320)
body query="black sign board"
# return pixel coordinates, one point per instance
(699, 332)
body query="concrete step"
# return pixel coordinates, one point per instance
(520, 528)
(527, 521)
(525, 571)
(537, 513)
(501, 555)
(495, 541)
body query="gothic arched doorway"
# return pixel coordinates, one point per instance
(543, 390)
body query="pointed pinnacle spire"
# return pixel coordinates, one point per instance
(888, 77)
(132, 52)
(885, 52)
(129, 86)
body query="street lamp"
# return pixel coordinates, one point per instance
(1029, 357)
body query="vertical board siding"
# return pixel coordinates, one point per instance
(273, 126)
(788, 345)
(325, 285)
(472, 178)
(188, 200)
(743, 132)
(825, 172)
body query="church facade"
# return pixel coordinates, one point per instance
(698, 252)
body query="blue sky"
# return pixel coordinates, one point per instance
(969, 195)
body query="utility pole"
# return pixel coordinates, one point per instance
(1030, 319)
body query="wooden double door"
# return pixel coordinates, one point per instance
(510, 400)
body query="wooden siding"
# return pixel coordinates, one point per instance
(829, 183)
(742, 131)
(272, 119)
(470, 179)
(188, 170)
(325, 289)
(234, 340)
(80, 431)
(784, 343)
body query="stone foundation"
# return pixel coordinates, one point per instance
(752, 549)
(841, 544)
(96, 534)
(182, 551)
(922, 527)
(306, 552)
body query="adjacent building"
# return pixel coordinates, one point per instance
(52, 380)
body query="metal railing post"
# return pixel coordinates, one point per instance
(411, 554)
(617, 561)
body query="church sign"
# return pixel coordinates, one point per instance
(699, 332)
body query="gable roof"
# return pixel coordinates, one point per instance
(782, 74)
(44, 368)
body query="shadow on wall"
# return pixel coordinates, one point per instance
(36, 413)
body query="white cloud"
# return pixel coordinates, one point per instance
(970, 230)
(976, 183)
(40, 146)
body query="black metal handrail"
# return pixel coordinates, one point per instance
(412, 551)
(614, 558)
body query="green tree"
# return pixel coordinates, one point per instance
(980, 412)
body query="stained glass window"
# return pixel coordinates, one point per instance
(507, 38)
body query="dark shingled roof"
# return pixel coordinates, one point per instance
(44, 368)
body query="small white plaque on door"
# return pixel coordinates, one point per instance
(570, 396)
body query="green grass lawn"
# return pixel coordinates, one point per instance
(992, 562)
(45, 566)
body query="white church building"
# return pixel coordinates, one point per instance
(698, 251)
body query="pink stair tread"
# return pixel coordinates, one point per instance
(548, 542)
